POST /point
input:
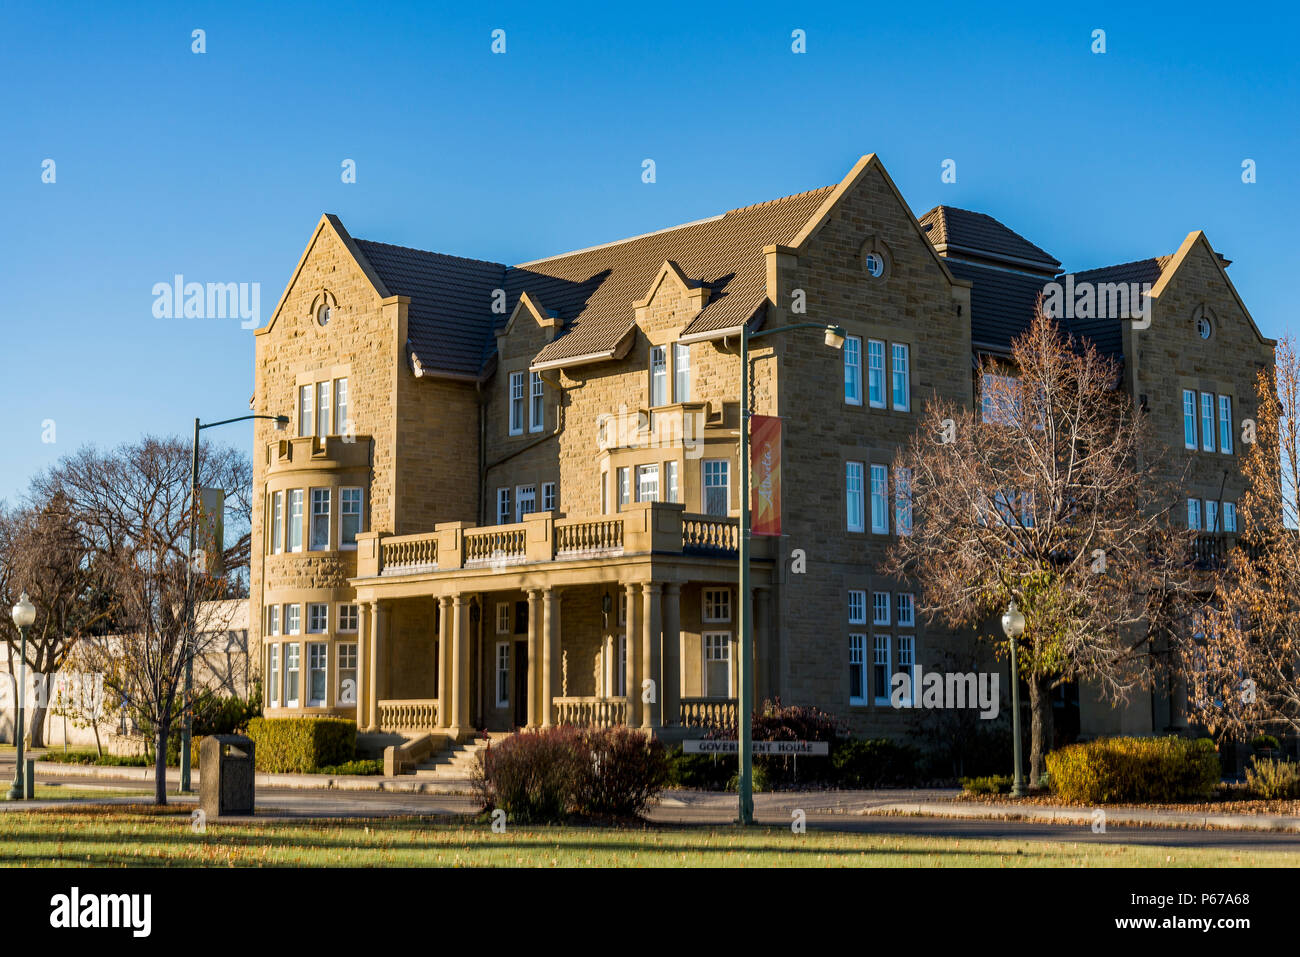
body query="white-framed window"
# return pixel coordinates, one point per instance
(342, 426)
(1207, 421)
(1225, 424)
(295, 520)
(857, 606)
(1194, 513)
(880, 673)
(306, 421)
(1000, 399)
(853, 501)
(292, 619)
(672, 488)
(906, 609)
(907, 664)
(717, 486)
(1189, 419)
(503, 674)
(624, 486)
(880, 607)
(857, 669)
(901, 381)
(323, 408)
(320, 519)
(903, 501)
(717, 604)
(1229, 516)
(536, 403)
(318, 618)
(622, 608)
(273, 675)
(273, 620)
(503, 506)
(658, 376)
(349, 516)
(503, 618)
(277, 522)
(880, 499)
(853, 370)
(317, 673)
(717, 664)
(681, 372)
(1212, 516)
(876, 373)
(347, 672)
(647, 483)
(516, 403)
(621, 681)
(525, 501)
(348, 618)
(548, 496)
(291, 673)
(604, 491)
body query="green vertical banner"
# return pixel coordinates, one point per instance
(209, 547)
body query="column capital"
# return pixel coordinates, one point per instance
(631, 587)
(444, 601)
(458, 599)
(672, 588)
(654, 588)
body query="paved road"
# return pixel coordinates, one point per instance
(834, 810)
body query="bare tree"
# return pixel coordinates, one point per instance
(1242, 665)
(1048, 493)
(133, 506)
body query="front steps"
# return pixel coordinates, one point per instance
(456, 762)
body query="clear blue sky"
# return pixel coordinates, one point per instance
(217, 166)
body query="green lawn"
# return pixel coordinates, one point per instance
(98, 836)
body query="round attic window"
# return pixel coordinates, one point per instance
(323, 314)
(1203, 327)
(875, 264)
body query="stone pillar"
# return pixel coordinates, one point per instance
(550, 651)
(534, 653)
(630, 678)
(459, 671)
(671, 693)
(651, 645)
(443, 656)
(376, 640)
(762, 647)
(363, 666)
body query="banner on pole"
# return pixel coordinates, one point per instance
(209, 547)
(765, 472)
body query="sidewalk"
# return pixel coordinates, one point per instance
(1057, 814)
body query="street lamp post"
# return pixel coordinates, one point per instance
(1013, 623)
(745, 710)
(187, 716)
(24, 614)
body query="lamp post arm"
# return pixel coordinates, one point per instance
(798, 325)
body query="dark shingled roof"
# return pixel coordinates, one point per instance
(452, 328)
(967, 231)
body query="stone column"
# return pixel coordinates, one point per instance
(651, 644)
(671, 693)
(762, 647)
(376, 640)
(459, 671)
(443, 657)
(363, 666)
(630, 678)
(550, 649)
(534, 653)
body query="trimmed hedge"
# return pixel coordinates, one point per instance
(302, 745)
(874, 763)
(1134, 769)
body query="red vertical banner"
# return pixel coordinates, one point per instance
(765, 474)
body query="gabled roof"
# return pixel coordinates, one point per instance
(958, 233)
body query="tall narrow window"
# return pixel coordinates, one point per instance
(853, 370)
(349, 516)
(273, 620)
(880, 499)
(295, 520)
(876, 373)
(1207, 421)
(1225, 423)
(273, 674)
(305, 419)
(323, 408)
(548, 496)
(717, 487)
(503, 674)
(853, 502)
(672, 490)
(717, 605)
(880, 668)
(624, 486)
(348, 673)
(525, 501)
(318, 618)
(1229, 516)
(1189, 419)
(902, 377)
(717, 664)
(857, 607)
(536, 403)
(291, 652)
(857, 669)
(516, 403)
(1194, 513)
(647, 483)
(503, 506)
(342, 425)
(880, 607)
(317, 672)
(503, 618)
(906, 610)
(1212, 516)
(907, 665)
(348, 618)
(604, 492)
(277, 522)
(292, 619)
(658, 376)
(903, 501)
(681, 372)
(320, 519)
